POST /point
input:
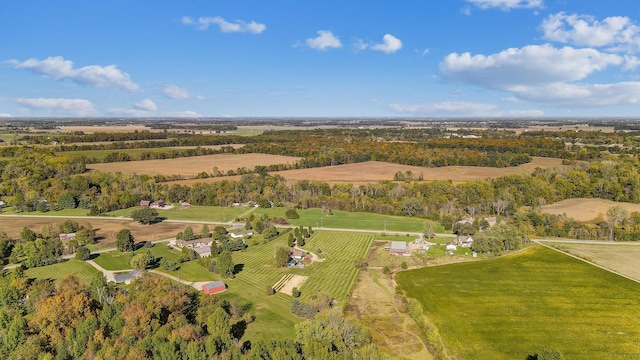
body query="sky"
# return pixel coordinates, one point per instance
(308, 58)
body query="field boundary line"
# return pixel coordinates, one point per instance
(586, 261)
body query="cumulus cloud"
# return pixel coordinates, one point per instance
(95, 75)
(146, 105)
(506, 5)
(584, 30)
(545, 74)
(5, 115)
(532, 65)
(446, 108)
(76, 107)
(203, 23)
(175, 92)
(526, 113)
(390, 44)
(324, 40)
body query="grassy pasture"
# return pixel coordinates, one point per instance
(117, 260)
(510, 307)
(620, 257)
(84, 271)
(189, 167)
(352, 220)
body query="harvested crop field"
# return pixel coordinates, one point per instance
(109, 129)
(189, 167)
(583, 209)
(213, 147)
(378, 171)
(620, 257)
(106, 229)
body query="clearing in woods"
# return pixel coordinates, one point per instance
(189, 167)
(584, 209)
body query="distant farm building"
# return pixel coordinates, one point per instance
(297, 254)
(452, 247)
(241, 234)
(398, 248)
(204, 251)
(145, 203)
(67, 237)
(128, 277)
(214, 287)
(464, 241)
(185, 204)
(157, 204)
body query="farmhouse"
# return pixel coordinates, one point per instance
(214, 287)
(196, 243)
(398, 248)
(297, 254)
(464, 241)
(157, 204)
(128, 277)
(67, 237)
(145, 203)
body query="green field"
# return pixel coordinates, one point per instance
(510, 307)
(116, 260)
(193, 213)
(84, 271)
(352, 220)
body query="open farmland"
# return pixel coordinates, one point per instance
(191, 166)
(106, 229)
(620, 257)
(84, 271)
(583, 209)
(510, 307)
(106, 129)
(373, 171)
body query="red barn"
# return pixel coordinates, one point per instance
(214, 287)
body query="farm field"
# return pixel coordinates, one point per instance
(510, 307)
(192, 213)
(106, 229)
(105, 128)
(620, 257)
(351, 220)
(374, 171)
(584, 209)
(84, 271)
(191, 166)
(379, 171)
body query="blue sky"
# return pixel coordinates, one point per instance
(293, 58)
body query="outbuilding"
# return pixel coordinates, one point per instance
(398, 248)
(214, 287)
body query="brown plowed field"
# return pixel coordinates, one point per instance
(582, 209)
(106, 230)
(373, 171)
(189, 167)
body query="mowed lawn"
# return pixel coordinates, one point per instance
(335, 276)
(351, 220)
(511, 307)
(84, 271)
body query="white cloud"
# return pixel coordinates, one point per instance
(528, 66)
(95, 75)
(175, 92)
(203, 23)
(390, 44)
(446, 108)
(4, 115)
(146, 105)
(324, 40)
(128, 112)
(506, 5)
(76, 107)
(545, 74)
(584, 30)
(360, 45)
(423, 52)
(188, 113)
(583, 95)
